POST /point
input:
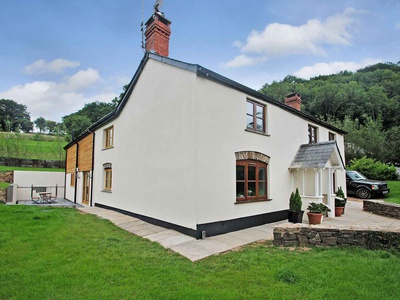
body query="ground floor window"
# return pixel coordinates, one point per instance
(107, 176)
(251, 180)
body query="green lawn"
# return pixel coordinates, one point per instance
(59, 253)
(8, 168)
(394, 195)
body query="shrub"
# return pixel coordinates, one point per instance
(295, 201)
(374, 169)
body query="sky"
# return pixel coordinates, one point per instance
(55, 55)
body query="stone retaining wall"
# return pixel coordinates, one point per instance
(34, 163)
(382, 208)
(303, 235)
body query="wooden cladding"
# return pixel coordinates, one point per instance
(71, 159)
(85, 155)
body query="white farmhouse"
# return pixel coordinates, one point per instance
(191, 150)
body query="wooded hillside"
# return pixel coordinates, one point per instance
(366, 104)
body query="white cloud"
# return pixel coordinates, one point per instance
(83, 79)
(333, 67)
(56, 66)
(53, 100)
(284, 39)
(243, 60)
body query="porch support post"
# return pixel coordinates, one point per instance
(331, 203)
(304, 184)
(316, 183)
(320, 182)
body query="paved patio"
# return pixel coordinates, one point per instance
(198, 249)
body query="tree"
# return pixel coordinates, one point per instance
(13, 116)
(50, 126)
(40, 123)
(76, 124)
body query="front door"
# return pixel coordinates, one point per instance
(86, 187)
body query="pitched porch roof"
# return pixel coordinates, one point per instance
(318, 156)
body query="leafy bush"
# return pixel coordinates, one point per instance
(295, 201)
(374, 169)
(318, 208)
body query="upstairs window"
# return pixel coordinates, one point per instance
(255, 116)
(312, 134)
(332, 136)
(251, 181)
(109, 137)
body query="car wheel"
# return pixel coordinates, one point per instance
(363, 193)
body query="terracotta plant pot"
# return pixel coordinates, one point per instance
(339, 211)
(314, 218)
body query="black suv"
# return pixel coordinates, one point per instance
(357, 184)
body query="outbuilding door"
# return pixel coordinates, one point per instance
(86, 187)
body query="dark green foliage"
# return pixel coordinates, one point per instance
(340, 193)
(295, 201)
(76, 123)
(318, 208)
(14, 117)
(365, 104)
(374, 169)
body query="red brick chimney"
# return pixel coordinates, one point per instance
(157, 34)
(293, 100)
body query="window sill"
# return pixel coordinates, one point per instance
(107, 148)
(252, 201)
(106, 191)
(257, 132)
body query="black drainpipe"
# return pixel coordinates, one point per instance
(76, 173)
(65, 175)
(91, 183)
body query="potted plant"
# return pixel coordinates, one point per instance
(339, 206)
(315, 212)
(295, 214)
(340, 194)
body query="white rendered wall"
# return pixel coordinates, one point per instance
(153, 159)
(220, 126)
(25, 179)
(174, 150)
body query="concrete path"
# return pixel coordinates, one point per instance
(198, 249)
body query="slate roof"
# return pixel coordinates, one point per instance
(315, 156)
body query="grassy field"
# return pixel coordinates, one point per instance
(32, 146)
(8, 168)
(58, 253)
(394, 195)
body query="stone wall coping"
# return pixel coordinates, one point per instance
(383, 202)
(299, 227)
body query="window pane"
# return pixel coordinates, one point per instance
(261, 189)
(249, 122)
(260, 111)
(249, 108)
(251, 191)
(261, 174)
(240, 189)
(239, 172)
(252, 173)
(260, 125)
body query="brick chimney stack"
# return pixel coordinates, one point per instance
(157, 34)
(293, 100)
